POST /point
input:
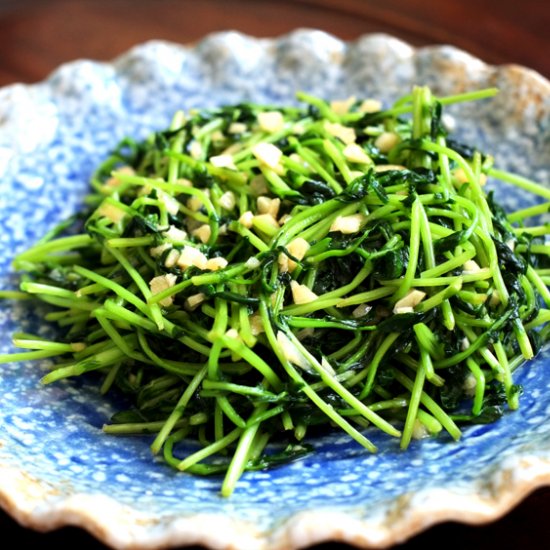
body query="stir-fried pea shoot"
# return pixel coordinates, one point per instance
(260, 274)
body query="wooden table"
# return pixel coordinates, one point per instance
(38, 35)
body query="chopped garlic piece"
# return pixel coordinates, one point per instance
(386, 141)
(464, 344)
(191, 256)
(171, 204)
(342, 106)
(171, 258)
(386, 167)
(361, 310)
(192, 224)
(252, 263)
(256, 324)
(113, 181)
(449, 122)
(419, 430)
(258, 186)
(246, 219)
(282, 262)
(271, 121)
(470, 384)
(195, 150)
(223, 161)
(297, 248)
(267, 205)
(217, 136)
(175, 235)
(156, 251)
(233, 334)
(233, 148)
(355, 153)
(111, 212)
(291, 352)
(461, 177)
(370, 106)
(344, 133)
(194, 301)
(78, 346)
(227, 200)
(268, 154)
(495, 300)
(404, 309)
(163, 282)
(214, 264)
(184, 182)
(470, 267)
(348, 224)
(410, 300)
(194, 203)
(203, 233)
(237, 128)
(301, 294)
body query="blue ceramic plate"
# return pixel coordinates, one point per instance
(58, 468)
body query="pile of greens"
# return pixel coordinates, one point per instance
(259, 274)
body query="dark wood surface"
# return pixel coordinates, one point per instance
(38, 35)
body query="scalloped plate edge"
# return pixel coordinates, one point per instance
(37, 505)
(124, 528)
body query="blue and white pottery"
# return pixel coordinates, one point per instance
(56, 465)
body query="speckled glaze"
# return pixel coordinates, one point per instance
(56, 466)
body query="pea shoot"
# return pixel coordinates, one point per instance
(255, 275)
